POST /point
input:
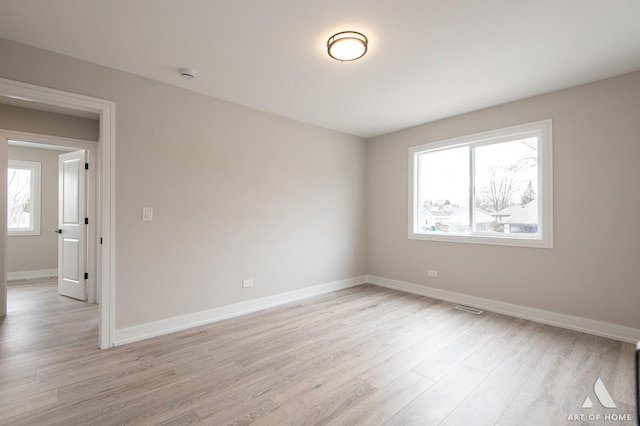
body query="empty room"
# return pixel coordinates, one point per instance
(347, 213)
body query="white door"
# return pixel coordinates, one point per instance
(72, 230)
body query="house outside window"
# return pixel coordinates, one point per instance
(489, 188)
(23, 198)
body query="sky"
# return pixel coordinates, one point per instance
(444, 174)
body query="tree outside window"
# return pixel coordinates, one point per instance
(23, 198)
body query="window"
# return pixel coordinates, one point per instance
(23, 198)
(489, 188)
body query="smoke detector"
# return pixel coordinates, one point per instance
(187, 73)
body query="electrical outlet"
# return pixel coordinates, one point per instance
(433, 273)
(247, 283)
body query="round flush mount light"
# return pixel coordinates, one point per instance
(187, 73)
(347, 46)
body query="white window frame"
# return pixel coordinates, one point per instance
(544, 237)
(34, 167)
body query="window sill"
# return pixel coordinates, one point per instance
(535, 241)
(23, 233)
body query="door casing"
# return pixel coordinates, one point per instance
(105, 190)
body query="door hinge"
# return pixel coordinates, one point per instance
(86, 220)
(86, 275)
(100, 240)
(86, 166)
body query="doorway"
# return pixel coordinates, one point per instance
(38, 205)
(41, 97)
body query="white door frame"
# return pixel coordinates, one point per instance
(106, 194)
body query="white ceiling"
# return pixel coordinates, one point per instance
(427, 59)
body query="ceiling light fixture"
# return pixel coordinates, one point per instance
(347, 46)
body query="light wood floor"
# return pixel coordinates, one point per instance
(362, 356)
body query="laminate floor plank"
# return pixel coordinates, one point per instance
(489, 400)
(454, 353)
(397, 364)
(330, 406)
(623, 388)
(437, 402)
(386, 402)
(595, 359)
(261, 410)
(361, 356)
(39, 400)
(538, 399)
(305, 389)
(496, 350)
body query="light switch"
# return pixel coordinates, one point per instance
(147, 213)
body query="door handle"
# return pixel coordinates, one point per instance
(58, 231)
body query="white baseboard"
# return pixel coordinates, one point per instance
(598, 328)
(170, 325)
(31, 275)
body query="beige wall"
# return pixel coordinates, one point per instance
(594, 269)
(47, 123)
(37, 252)
(237, 193)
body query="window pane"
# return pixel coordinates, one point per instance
(493, 187)
(19, 199)
(506, 187)
(443, 191)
